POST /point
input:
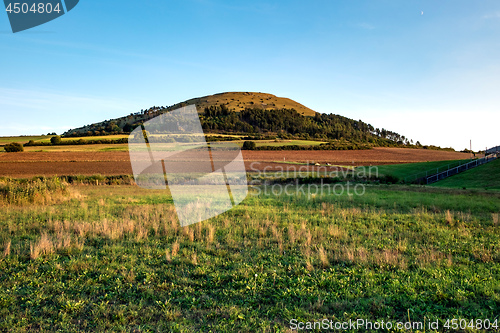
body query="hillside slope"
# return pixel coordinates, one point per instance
(234, 101)
(260, 115)
(239, 101)
(485, 177)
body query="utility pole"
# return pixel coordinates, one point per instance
(471, 149)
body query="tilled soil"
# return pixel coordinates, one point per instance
(29, 164)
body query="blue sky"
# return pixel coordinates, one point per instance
(429, 70)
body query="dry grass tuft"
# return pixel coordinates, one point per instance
(449, 260)
(335, 231)
(174, 224)
(361, 255)
(156, 225)
(309, 266)
(130, 276)
(175, 248)
(142, 233)
(189, 233)
(308, 238)
(43, 247)
(210, 234)
(62, 240)
(198, 231)
(65, 236)
(278, 236)
(325, 263)
(391, 257)
(483, 255)
(450, 218)
(79, 243)
(6, 248)
(81, 228)
(432, 257)
(303, 227)
(495, 218)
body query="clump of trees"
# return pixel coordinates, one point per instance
(249, 145)
(257, 122)
(288, 124)
(56, 140)
(14, 147)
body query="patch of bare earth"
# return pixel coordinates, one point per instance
(29, 164)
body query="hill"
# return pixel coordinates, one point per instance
(234, 101)
(239, 101)
(258, 116)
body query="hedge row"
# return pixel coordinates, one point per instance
(32, 143)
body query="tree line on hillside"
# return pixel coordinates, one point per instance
(289, 124)
(282, 123)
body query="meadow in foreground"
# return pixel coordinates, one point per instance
(113, 258)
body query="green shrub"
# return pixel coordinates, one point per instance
(249, 145)
(55, 140)
(14, 147)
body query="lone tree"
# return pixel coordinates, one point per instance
(249, 145)
(14, 147)
(55, 140)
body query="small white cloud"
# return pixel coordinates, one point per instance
(494, 15)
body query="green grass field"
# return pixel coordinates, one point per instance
(21, 139)
(410, 171)
(113, 258)
(87, 138)
(124, 147)
(484, 177)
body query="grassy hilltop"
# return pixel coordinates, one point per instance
(239, 101)
(259, 116)
(234, 101)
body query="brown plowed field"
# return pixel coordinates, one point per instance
(28, 164)
(376, 156)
